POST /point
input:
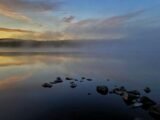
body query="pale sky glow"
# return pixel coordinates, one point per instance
(77, 19)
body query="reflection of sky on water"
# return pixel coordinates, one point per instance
(21, 77)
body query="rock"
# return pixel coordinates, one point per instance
(122, 88)
(83, 78)
(147, 90)
(47, 85)
(89, 93)
(147, 102)
(137, 104)
(131, 97)
(103, 90)
(68, 78)
(135, 93)
(58, 80)
(75, 80)
(89, 79)
(155, 111)
(119, 91)
(73, 85)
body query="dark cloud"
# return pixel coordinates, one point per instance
(32, 5)
(68, 19)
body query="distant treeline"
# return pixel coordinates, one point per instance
(34, 43)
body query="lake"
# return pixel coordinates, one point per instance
(22, 75)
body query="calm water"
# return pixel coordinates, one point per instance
(23, 98)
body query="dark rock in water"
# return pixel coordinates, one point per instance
(67, 78)
(137, 104)
(47, 85)
(83, 78)
(75, 80)
(103, 90)
(89, 79)
(119, 91)
(73, 85)
(135, 92)
(89, 93)
(58, 80)
(147, 90)
(147, 102)
(131, 97)
(155, 111)
(122, 88)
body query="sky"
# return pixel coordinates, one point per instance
(79, 19)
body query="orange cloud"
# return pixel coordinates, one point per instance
(6, 11)
(14, 30)
(26, 34)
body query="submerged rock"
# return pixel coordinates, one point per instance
(155, 111)
(89, 93)
(73, 85)
(119, 91)
(103, 90)
(68, 78)
(89, 79)
(137, 104)
(83, 78)
(147, 90)
(135, 92)
(147, 102)
(47, 85)
(58, 80)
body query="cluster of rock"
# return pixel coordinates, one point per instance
(132, 98)
(60, 80)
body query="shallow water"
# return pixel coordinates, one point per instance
(22, 96)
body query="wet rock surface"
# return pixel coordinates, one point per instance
(155, 111)
(132, 98)
(147, 90)
(103, 90)
(58, 80)
(47, 85)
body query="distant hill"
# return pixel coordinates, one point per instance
(34, 43)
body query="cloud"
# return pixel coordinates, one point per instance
(116, 27)
(16, 9)
(32, 5)
(14, 30)
(27, 34)
(8, 12)
(68, 19)
(109, 28)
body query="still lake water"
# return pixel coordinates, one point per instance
(22, 96)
